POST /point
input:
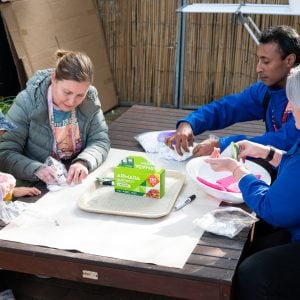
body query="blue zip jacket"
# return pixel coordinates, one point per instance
(247, 106)
(278, 204)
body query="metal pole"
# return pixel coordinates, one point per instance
(253, 24)
(179, 69)
(241, 17)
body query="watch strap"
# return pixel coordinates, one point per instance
(271, 154)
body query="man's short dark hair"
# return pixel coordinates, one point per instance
(287, 39)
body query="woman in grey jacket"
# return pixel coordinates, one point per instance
(58, 115)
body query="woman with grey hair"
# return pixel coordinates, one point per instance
(272, 269)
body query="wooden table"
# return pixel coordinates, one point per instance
(209, 271)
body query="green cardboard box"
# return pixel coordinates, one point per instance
(137, 176)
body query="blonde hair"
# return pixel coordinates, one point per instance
(293, 86)
(73, 65)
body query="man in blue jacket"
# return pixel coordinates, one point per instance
(278, 52)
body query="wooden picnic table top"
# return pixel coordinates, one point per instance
(209, 272)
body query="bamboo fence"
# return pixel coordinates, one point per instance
(143, 43)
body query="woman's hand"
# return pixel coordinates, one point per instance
(255, 150)
(228, 164)
(46, 174)
(77, 172)
(251, 149)
(222, 164)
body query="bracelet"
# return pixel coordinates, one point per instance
(236, 169)
(271, 154)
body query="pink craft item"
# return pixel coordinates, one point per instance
(229, 184)
(212, 185)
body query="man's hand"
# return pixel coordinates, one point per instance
(206, 147)
(182, 139)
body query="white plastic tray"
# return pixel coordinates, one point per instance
(103, 199)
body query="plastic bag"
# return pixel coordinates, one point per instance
(60, 173)
(169, 154)
(10, 210)
(153, 140)
(7, 184)
(227, 221)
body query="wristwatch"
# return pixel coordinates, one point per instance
(271, 154)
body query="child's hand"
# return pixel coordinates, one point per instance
(25, 191)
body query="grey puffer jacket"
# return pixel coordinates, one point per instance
(23, 150)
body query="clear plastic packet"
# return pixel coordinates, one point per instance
(10, 210)
(226, 221)
(231, 151)
(60, 173)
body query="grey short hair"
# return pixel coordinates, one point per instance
(293, 86)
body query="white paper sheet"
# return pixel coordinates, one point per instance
(56, 221)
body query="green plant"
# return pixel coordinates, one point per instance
(5, 104)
